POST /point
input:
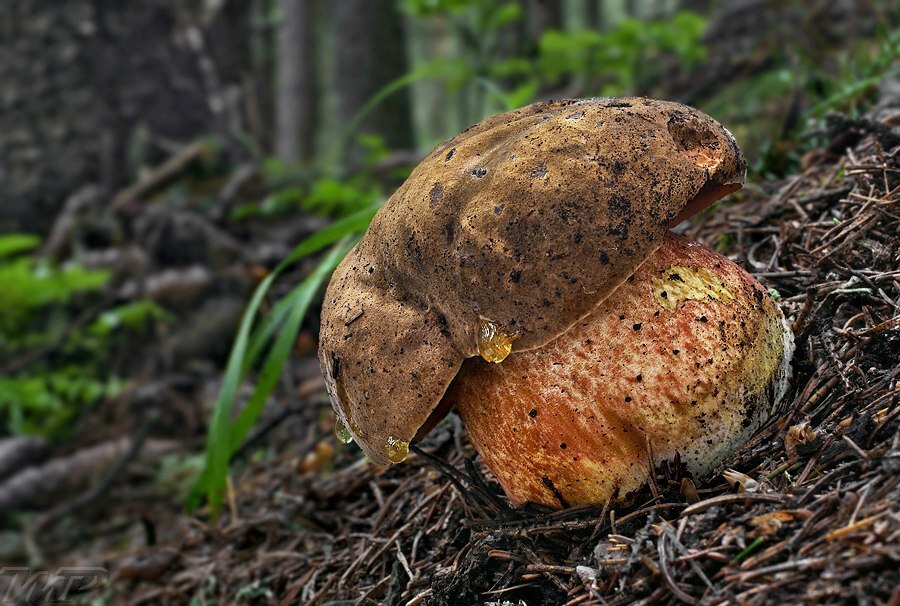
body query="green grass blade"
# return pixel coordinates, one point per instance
(422, 73)
(354, 223)
(217, 441)
(746, 551)
(300, 299)
(262, 334)
(211, 481)
(495, 92)
(851, 91)
(350, 224)
(375, 100)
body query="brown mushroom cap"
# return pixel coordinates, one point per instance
(527, 220)
(688, 357)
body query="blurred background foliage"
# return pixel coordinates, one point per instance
(224, 141)
(766, 69)
(67, 353)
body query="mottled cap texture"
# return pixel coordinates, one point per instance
(527, 220)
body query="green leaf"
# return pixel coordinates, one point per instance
(523, 94)
(375, 100)
(426, 8)
(850, 91)
(376, 149)
(12, 244)
(514, 66)
(30, 284)
(456, 71)
(562, 53)
(336, 197)
(503, 15)
(75, 278)
(44, 404)
(136, 315)
(327, 236)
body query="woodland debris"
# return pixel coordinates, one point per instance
(18, 452)
(161, 176)
(44, 485)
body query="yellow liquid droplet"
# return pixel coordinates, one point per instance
(493, 344)
(396, 449)
(341, 431)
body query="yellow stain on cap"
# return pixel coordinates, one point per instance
(679, 284)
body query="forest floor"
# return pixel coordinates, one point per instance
(807, 512)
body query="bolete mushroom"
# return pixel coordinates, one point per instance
(518, 234)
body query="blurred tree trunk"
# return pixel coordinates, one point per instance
(702, 7)
(261, 81)
(542, 15)
(297, 97)
(594, 15)
(371, 53)
(94, 88)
